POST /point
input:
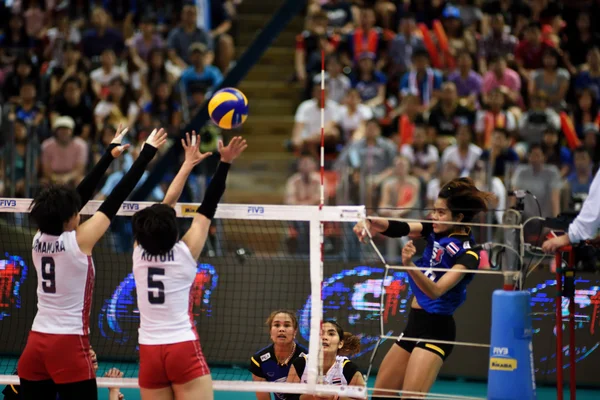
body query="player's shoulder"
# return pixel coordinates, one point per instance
(263, 354)
(455, 244)
(301, 351)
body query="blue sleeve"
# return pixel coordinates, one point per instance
(512, 155)
(380, 77)
(147, 107)
(217, 77)
(437, 80)
(404, 82)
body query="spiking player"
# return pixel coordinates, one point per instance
(414, 366)
(164, 266)
(57, 357)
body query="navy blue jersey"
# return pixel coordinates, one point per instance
(264, 365)
(446, 252)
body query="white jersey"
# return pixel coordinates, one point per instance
(335, 375)
(65, 284)
(164, 285)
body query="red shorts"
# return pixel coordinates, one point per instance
(164, 364)
(62, 358)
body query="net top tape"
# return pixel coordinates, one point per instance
(224, 211)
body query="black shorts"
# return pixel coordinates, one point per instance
(425, 326)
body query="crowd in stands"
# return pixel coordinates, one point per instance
(71, 72)
(420, 92)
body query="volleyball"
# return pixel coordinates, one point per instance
(228, 108)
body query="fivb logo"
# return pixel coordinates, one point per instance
(6, 203)
(256, 210)
(500, 351)
(131, 207)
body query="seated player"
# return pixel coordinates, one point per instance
(56, 357)
(172, 365)
(337, 345)
(272, 364)
(414, 366)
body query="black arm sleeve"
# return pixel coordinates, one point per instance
(397, 229)
(215, 190)
(470, 259)
(349, 370)
(113, 202)
(427, 229)
(88, 185)
(255, 368)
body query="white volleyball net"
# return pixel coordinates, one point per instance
(258, 258)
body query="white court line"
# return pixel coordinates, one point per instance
(410, 339)
(466, 271)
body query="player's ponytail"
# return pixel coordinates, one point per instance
(463, 197)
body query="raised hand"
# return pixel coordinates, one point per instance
(113, 373)
(193, 156)
(408, 252)
(119, 135)
(157, 138)
(233, 150)
(360, 230)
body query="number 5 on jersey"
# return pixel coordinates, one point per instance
(156, 288)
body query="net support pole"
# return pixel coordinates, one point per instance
(316, 312)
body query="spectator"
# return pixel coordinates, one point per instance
(307, 122)
(199, 71)
(101, 37)
(27, 108)
(586, 111)
(339, 14)
(337, 84)
(147, 39)
(371, 159)
(423, 156)
(542, 180)
(556, 154)
(64, 157)
(23, 70)
(495, 185)
(106, 73)
(57, 37)
(590, 77)
(448, 172)
(403, 45)
(20, 160)
(302, 188)
(498, 43)
(162, 110)
(578, 42)
(309, 43)
(15, 41)
(366, 38)
(370, 83)
(119, 106)
(400, 193)
(551, 79)
(537, 119)
(463, 154)
(218, 24)
(459, 38)
(181, 38)
(530, 50)
(353, 117)
(501, 157)
(71, 103)
(592, 144)
(496, 116)
(447, 115)
(468, 82)
(580, 179)
(469, 12)
(35, 18)
(156, 72)
(422, 80)
(72, 66)
(500, 76)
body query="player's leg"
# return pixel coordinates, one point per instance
(422, 370)
(37, 390)
(78, 390)
(188, 371)
(157, 394)
(196, 389)
(392, 370)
